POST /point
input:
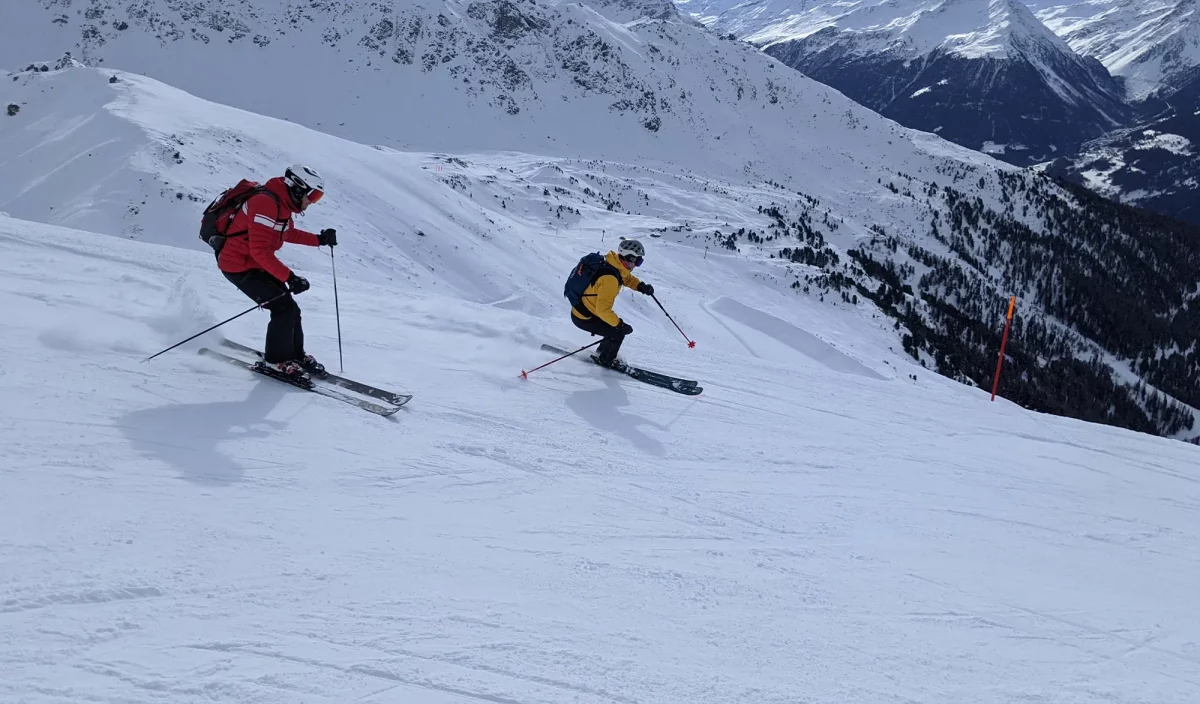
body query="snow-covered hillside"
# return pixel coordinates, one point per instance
(815, 526)
(1154, 45)
(565, 79)
(126, 155)
(123, 154)
(830, 520)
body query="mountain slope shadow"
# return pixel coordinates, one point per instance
(797, 338)
(187, 435)
(601, 409)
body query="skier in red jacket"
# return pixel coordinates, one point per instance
(249, 262)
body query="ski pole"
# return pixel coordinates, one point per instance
(193, 337)
(691, 342)
(525, 374)
(337, 311)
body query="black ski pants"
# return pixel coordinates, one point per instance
(285, 335)
(608, 349)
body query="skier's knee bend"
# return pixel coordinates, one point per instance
(596, 326)
(284, 308)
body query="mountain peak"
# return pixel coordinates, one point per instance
(967, 28)
(929, 64)
(1154, 44)
(998, 29)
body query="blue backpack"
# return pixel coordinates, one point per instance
(584, 274)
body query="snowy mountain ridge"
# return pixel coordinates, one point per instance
(551, 76)
(986, 75)
(911, 28)
(1153, 45)
(1148, 54)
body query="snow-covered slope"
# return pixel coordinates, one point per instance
(126, 155)
(123, 154)
(1154, 45)
(558, 79)
(182, 531)
(987, 75)
(829, 521)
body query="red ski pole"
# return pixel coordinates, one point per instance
(691, 342)
(525, 374)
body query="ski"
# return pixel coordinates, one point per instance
(388, 397)
(307, 385)
(686, 387)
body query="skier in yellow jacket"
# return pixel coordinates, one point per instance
(592, 309)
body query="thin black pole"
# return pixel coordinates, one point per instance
(338, 312)
(193, 337)
(525, 374)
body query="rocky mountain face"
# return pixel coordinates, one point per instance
(420, 74)
(1153, 45)
(986, 75)
(1155, 165)
(1095, 91)
(634, 10)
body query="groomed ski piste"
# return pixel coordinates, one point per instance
(827, 522)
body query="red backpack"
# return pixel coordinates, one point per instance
(219, 215)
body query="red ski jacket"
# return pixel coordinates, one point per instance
(268, 225)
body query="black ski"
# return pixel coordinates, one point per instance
(686, 387)
(306, 384)
(388, 397)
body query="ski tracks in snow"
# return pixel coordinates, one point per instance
(177, 531)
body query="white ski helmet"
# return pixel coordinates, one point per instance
(631, 249)
(304, 182)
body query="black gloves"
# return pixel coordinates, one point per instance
(645, 288)
(297, 284)
(328, 237)
(625, 328)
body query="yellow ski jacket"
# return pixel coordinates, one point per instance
(599, 298)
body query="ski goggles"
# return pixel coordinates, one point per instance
(632, 261)
(314, 195)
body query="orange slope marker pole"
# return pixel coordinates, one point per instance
(1012, 304)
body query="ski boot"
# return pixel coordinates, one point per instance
(313, 367)
(292, 370)
(617, 364)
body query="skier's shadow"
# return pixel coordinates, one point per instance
(602, 409)
(186, 435)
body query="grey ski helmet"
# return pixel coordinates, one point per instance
(631, 249)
